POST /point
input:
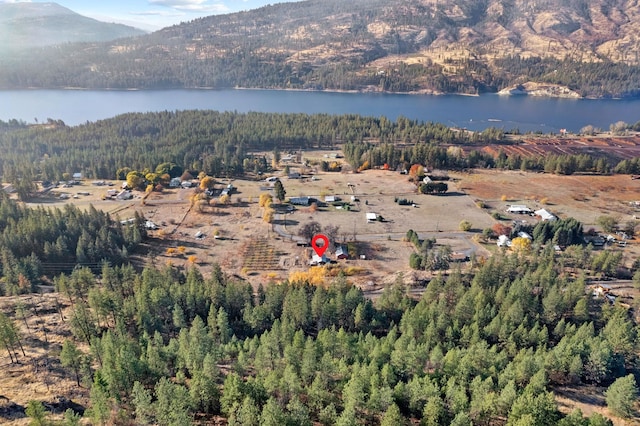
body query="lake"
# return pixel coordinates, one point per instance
(472, 112)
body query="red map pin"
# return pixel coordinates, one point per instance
(320, 249)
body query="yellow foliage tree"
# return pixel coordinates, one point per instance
(264, 198)
(225, 199)
(207, 182)
(364, 166)
(521, 244)
(192, 259)
(268, 215)
(314, 276)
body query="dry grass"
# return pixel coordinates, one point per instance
(38, 375)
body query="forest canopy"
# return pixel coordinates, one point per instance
(230, 143)
(482, 348)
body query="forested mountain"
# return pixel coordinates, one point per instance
(29, 24)
(470, 46)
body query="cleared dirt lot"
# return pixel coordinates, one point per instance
(584, 197)
(233, 232)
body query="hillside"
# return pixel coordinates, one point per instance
(26, 25)
(425, 46)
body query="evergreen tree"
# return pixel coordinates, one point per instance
(622, 396)
(279, 190)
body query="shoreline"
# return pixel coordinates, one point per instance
(424, 92)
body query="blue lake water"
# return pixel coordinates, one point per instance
(472, 112)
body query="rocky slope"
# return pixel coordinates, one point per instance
(433, 46)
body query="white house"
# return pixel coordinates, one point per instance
(341, 252)
(124, 195)
(545, 215)
(519, 209)
(372, 217)
(318, 260)
(504, 241)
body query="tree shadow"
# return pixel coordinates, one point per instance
(286, 222)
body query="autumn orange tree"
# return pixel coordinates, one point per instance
(500, 229)
(416, 172)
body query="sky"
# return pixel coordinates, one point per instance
(155, 14)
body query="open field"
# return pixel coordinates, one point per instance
(231, 232)
(583, 197)
(229, 229)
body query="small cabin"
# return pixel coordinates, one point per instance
(341, 252)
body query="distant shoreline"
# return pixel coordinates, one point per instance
(504, 92)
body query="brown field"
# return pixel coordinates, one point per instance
(618, 148)
(38, 375)
(584, 197)
(235, 232)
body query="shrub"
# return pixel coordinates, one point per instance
(403, 201)
(465, 225)
(415, 261)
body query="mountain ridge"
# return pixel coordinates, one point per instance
(412, 46)
(26, 25)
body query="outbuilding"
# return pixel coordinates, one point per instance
(300, 201)
(341, 253)
(124, 195)
(318, 260)
(519, 209)
(372, 217)
(545, 215)
(504, 241)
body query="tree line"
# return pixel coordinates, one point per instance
(36, 241)
(218, 143)
(225, 144)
